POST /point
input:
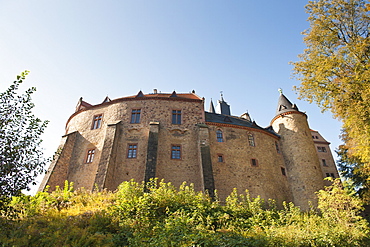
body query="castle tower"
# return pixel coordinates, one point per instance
(298, 149)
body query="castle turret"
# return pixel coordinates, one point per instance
(211, 107)
(302, 163)
(222, 107)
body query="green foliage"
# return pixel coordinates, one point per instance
(21, 158)
(334, 70)
(352, 169)
(158, 214)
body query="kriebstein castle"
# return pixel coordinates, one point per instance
(170, 136)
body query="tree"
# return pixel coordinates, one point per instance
(334, 69)
(21, 157)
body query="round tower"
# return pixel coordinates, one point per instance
(299, 152)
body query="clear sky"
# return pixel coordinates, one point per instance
(92, 49)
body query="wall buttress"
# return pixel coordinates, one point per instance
(106, 167)
(152, 151)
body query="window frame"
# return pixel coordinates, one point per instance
(277, 147)
(174, 149)
(90, 154)
(321, 149)
(222, 158)
(283, 171)
(251, 140)
(219, 135)
(132, 151)
(255, 163)
(324, 162)
(97, 121)
(135, 116)
(176, 116)
(330, 174)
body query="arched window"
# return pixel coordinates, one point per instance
(219, 136)
(251, 140)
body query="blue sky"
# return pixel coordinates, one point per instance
(92, 49)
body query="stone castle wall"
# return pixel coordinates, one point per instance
(303, 167)
(284, 168)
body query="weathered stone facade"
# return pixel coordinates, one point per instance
(172, 137)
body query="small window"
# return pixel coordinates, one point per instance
(132, 151)
(330, 175)
(176, 152)
(277, 147)
(176, 116)
(321, 149)
(251, 140)
(96, 124)
(90, 156)
(135, 115)
(324, 162)
(219, 136)
(254, 162)
(283, 171)
(220, 158)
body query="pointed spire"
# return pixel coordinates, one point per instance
(284, 104)
(222, 96)
(173, 94)
(211, 107)
(107, 99)
(139, 94)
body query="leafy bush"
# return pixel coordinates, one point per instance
(158, 214)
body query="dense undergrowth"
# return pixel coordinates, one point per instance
(166, 216)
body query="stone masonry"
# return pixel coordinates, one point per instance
(171, 137)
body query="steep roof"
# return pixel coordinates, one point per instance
(223, 107)
(166, 95)
(212, 107)
(284, 105)
(237, 121)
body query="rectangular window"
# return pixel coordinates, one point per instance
(254, 162)
(330, 175)
(135, 115)
(220, 158)
(132, 151)
(219, 136)
(277, 147)
(283, 171)
(176, 116)
(321, 149)
(96, 124)
(324, 162)
(251, 140)
(90, 156)
(176, 152)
